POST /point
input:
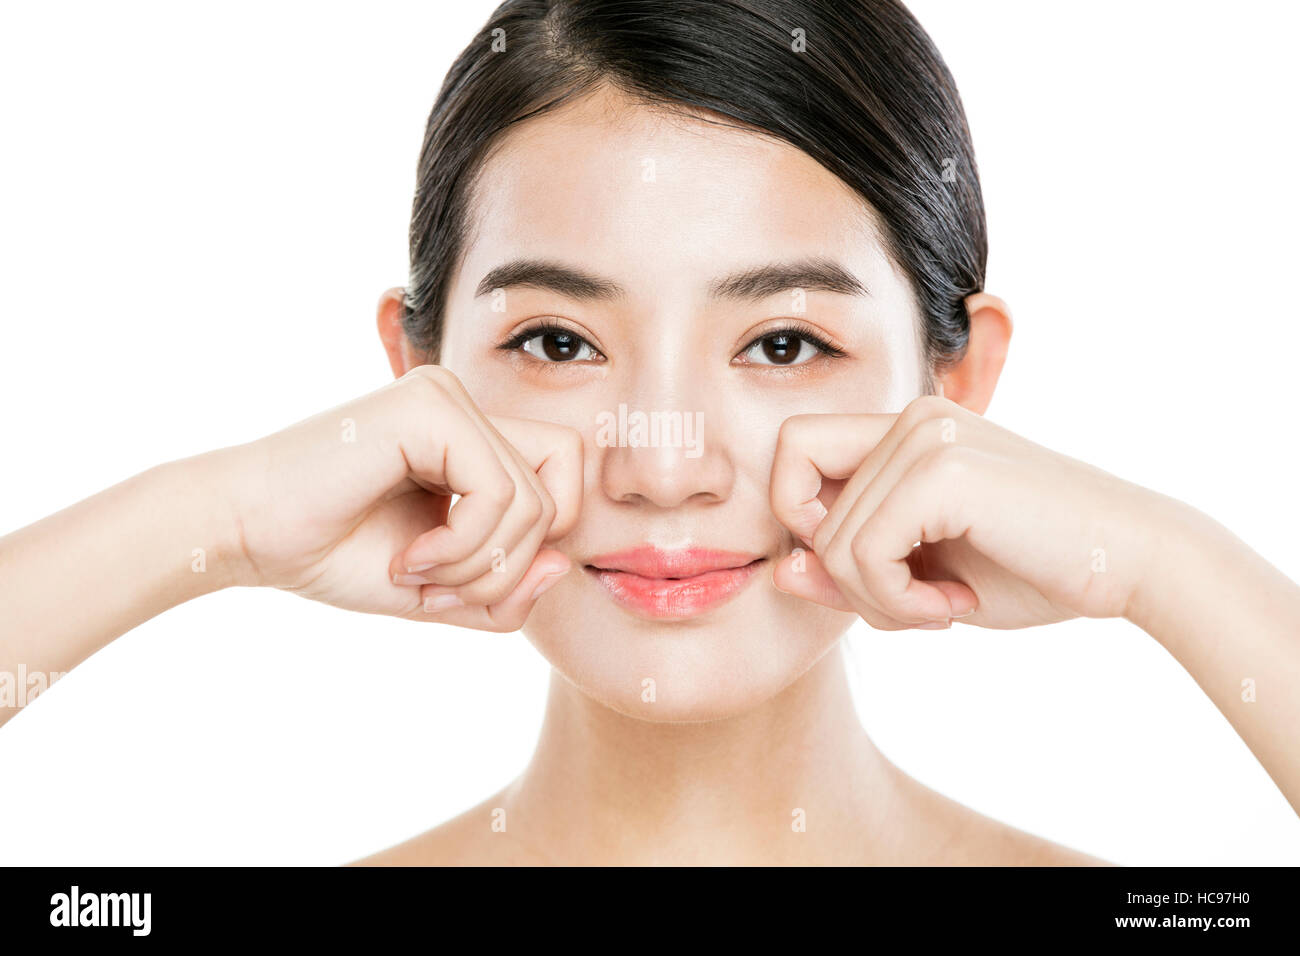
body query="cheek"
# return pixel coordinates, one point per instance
(745, 653)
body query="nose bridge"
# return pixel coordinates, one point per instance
(659, 444)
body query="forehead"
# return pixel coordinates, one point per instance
(659, 200)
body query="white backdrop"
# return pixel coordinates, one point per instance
(198, 212)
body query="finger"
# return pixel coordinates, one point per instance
(461, 460)
(803, 575)
(425, 509)
(810, 447)
(880, 471)
(916, 435)
(925, 566)
(488, 577)
(509, 614)
(505, 573)
(471, 542)
(490, 573)
(455, 555)
(928, 504)
(933, 417)
(555, 454)
(505, 551)
(925, 425)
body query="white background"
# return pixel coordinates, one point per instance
(199, 210)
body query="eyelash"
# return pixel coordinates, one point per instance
(798, 330)
(544, 328)
(793, 328)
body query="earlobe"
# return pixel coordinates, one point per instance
(971, 381)
(392, 306)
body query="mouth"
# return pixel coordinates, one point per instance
(673, 584)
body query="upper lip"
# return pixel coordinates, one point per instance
(651, 562)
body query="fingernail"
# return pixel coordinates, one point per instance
(965, 613)
(547, 582)
(935, 626)
(408, 579)
(441, 602)
(417, 568)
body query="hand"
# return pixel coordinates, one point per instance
(1011, 534)
(352, 507)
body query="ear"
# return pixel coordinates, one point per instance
(971, 381)
(401, 356)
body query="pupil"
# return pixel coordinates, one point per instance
(559, 346)
(781, 349)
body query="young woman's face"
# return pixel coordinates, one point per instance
(703, 242)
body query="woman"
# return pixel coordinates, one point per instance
(695, 328)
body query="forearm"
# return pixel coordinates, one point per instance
(77, 579)
(1233, 621)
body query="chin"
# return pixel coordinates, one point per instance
(663, 662)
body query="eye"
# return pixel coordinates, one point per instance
(786, 347)
(553, 344)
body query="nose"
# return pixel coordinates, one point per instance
(665, 457)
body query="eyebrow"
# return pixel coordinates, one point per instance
(814, 274)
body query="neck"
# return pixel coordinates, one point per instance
(608, 788)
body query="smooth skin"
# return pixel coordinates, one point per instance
(1015, 535)
(267, 519)
(351, 507)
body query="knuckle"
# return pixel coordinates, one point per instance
(861, 547)
(839, 553)
(927, 407)
(882, 623)
(549, 508)
(433, 382)
(532, 508)
(930, 432)
(572, 438)
(422, 376)
(822, 537)
(488, 590)
(934, 428)
(499, 490)
(792, 428)
(506, 623)
(457, 574)
(420, 387)
(948, 464)
(505, 619)
(438, 374)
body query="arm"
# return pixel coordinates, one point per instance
(81, 577)
(1233, 621)
(350, 507)
(1015, 535)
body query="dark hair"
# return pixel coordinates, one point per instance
(865, 93)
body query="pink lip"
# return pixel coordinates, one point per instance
(673, 584)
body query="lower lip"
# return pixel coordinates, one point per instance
(675, 597)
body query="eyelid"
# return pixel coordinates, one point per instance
(815, 337)
(820, 340)
(540, 326)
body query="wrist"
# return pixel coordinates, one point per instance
(1178, 571)
(205, 496)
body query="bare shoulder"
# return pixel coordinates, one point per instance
(932, 830)
(476, 837)
(960, 836)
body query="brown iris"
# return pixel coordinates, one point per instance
(782, 349)
(560, 346)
